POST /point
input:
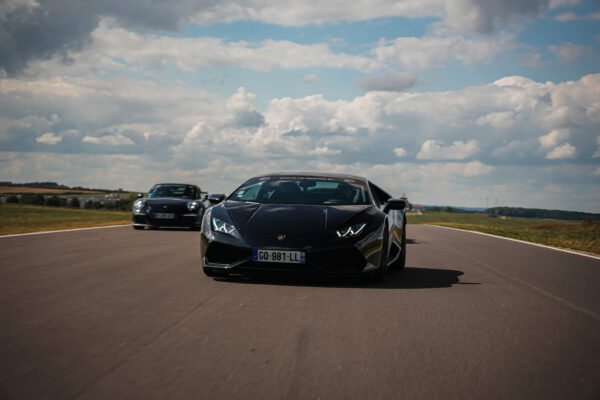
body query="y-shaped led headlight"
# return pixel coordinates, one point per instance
(222, 226)
(350, 230)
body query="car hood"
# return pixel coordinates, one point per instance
(290, 218)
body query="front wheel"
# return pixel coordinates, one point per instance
(137, 227)
(381, 274)
(402, 259)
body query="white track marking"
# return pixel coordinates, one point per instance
(64, 230)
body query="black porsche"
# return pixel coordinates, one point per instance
(305, 222)
(172, 205)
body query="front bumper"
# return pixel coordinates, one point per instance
(220, 258)
(189, 220)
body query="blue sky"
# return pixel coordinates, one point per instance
(450, 102)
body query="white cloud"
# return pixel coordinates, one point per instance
(569, 52)
(400, 152)
(596, 171)
(48, 138)
(597, 153)
(8, 6)
(194, 54)
(553, 138)
(311, 78)
(111, 140)
(498, 120)
(389, 81)
(324, 151)
(219, 141)
(571, 16)
(440, 49)
(458, 150)
(560, 152)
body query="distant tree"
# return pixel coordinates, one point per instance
(12, 199)
(98, 205)
(448, 209)
(53, 201)
(89, 204)
(35, 199)
(75, 203)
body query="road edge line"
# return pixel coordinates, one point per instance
(518, 240)
(62, 230)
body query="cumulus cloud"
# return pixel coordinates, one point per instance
(441, 48)
(553, 138)
(569, 52)
(400, 152)
(111, 140)
(571, 16)
(41, 29)
(311, 78)
(597, 153)
(389, 81)
(560, 152)
(472, 134)
(458, 150)
(48, 138)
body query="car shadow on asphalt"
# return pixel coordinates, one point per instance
(407, 278)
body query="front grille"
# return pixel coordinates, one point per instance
(220, 253)
(347, 259)
(267, 266)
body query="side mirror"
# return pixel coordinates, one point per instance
(395, 204)
(216, 198)
(139, 195)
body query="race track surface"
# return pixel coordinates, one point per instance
(123, 314)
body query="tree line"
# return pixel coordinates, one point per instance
(541, 213)
(73, 202)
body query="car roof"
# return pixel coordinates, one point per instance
(315, 174)
(179, 184)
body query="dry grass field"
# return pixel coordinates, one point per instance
(574, 235)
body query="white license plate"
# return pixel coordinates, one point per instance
(279, 256)
(164, 216)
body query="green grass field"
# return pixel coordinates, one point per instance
(16, 218)
(573, 235)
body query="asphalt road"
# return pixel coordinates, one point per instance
(123, 314)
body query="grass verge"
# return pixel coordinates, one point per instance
(574, 235)
(17, 218)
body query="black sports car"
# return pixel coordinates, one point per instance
(170, 204)
(305, 222)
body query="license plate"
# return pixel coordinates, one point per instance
(279, 256)
(164, 216)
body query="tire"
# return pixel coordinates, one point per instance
(381, 273)
(402, 260)
(137, 228)
(154, 227)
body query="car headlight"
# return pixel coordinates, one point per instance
(138, 204)
(193, 205)
(222, 226)
(350, 230)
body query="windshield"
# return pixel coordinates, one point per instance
(302, 190)
(183, 191)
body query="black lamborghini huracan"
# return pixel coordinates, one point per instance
(305, 222)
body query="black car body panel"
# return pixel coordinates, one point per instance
(316, 230)
(182, 207)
